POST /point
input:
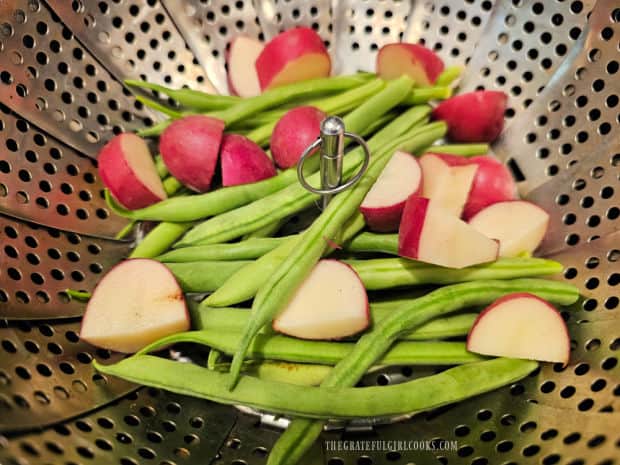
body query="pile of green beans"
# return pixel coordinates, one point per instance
(289, 349)
(447, 387)
(302, 433)
(278, 290)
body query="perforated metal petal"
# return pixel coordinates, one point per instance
(47, 376)
(593, 268)
(576, 113)
(39, 264)
(361, 28)
(51, 80)
(147, 426)
(451, 29)
(209, 27)
(581, 201)
(133, 40)
(524, 43)
(45, 181)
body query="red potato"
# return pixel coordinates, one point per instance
(473, 117)
(127, 169)
(330, 304)
(430, 234)
(447, 185)
(190, 147)
(521, 325)
(519, 226)
(243, 161)
(292, 56)
(416, 61)
(493, 182)
(240, 58)
(293, 133)
(137, 302)
(384, 204)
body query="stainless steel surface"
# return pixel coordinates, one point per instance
(47, 182)
(50, 79)
(576, 114)
(47, 376)
(39, 264)
(119, 33)
(564, 144)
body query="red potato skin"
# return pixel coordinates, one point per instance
(243, 161)
(508, 297)
(274, 325)
(492, 183)
(293, 133)
(419, 54)
(411, 226)
(189, 148)
(120, 179)
(285, 48)
(384, 219)
(388, 218)
(474, 116)
(179, 296)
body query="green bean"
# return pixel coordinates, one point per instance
(158, 106)
(82, 296)
(203, 276)
(192, 99)
(294, 198)
(421, 95)
(159, 239)
(449, 75)
(154, 130)
(244, 284)
(378, 123)
(162, 169)
(450, 386)
(251, 248)
(266, 231)
(276, 292)
(465, 150)
(196, 207)
(127, 229)
(373, 242)
(244, 250)
(171, 185)
(235, 319)
(213, 358)
(290, 349)
(302, 374)
(301, 433)
(386, 273)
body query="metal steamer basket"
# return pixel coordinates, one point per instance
(61, 97)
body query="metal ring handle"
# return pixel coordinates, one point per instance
(335, 190)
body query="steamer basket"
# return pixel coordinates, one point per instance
(61, 97)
